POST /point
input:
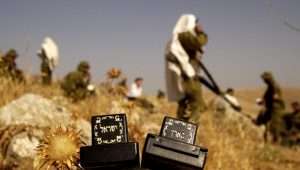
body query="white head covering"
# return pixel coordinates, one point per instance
(185, 23)
(175, 89)
(51, 51)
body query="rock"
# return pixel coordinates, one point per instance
(22, 145)
(34, 110)
(37, 111)
(18, 142)
(24, 120)
(85, 129)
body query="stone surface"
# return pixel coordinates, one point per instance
(34, 110)
(35, 113)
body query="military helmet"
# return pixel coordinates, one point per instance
(267, 75)
(83, 65)
(11, 54)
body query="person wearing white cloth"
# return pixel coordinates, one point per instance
(135, 95)
(183, 54)
(229, 95)
(136, 88)
(49, 55)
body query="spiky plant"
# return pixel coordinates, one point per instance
(59, 149)
(114, 73)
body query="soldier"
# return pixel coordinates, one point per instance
(46, 71)
(8, 66)
(274, 107)
(160, 94)
(49, 54)
(183, 55)
(76, 84)
(292, 122)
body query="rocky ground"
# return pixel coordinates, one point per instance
(28, 112)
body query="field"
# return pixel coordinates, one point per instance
(232, 145)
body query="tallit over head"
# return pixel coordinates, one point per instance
(185, 23)
(174, 48)
(51, 51)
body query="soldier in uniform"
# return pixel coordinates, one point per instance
(183, 57)
(292, 122)
(46, 71)
(8, 66)
(49, 55)
(76, 84)
(274, 105)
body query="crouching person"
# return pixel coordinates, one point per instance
(76, 84)
(292, 123)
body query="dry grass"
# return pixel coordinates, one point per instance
(230, 147)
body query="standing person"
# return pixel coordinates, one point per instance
(49, 56)
(46, 71)
(76, 84)
(274, 107)
(183, 54)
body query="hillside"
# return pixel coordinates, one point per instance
(232, 144)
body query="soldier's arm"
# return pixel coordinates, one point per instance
(189, 41)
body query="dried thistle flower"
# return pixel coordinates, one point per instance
(114, 73)
(59, 149)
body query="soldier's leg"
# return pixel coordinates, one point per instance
(49, 77)
(196, 102)
(182, 109)
(274, 132)
(46, 77)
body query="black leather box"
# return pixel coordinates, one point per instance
(174, 148)
(167, 154)
(110, 156)
(110, 148)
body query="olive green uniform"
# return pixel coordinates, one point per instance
(75, 83)
(292, 123)
(46, 71)
(192, 104)
(8, 66)
(274, 108)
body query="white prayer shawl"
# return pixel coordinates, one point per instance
(173, 72)
(135, 91)
(51, 51)
(233, 100)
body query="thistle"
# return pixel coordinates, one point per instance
(114, 73)
(59, 149)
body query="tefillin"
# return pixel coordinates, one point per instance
(174, 148)
(110, 148)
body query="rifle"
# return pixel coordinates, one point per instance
(212, 85)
